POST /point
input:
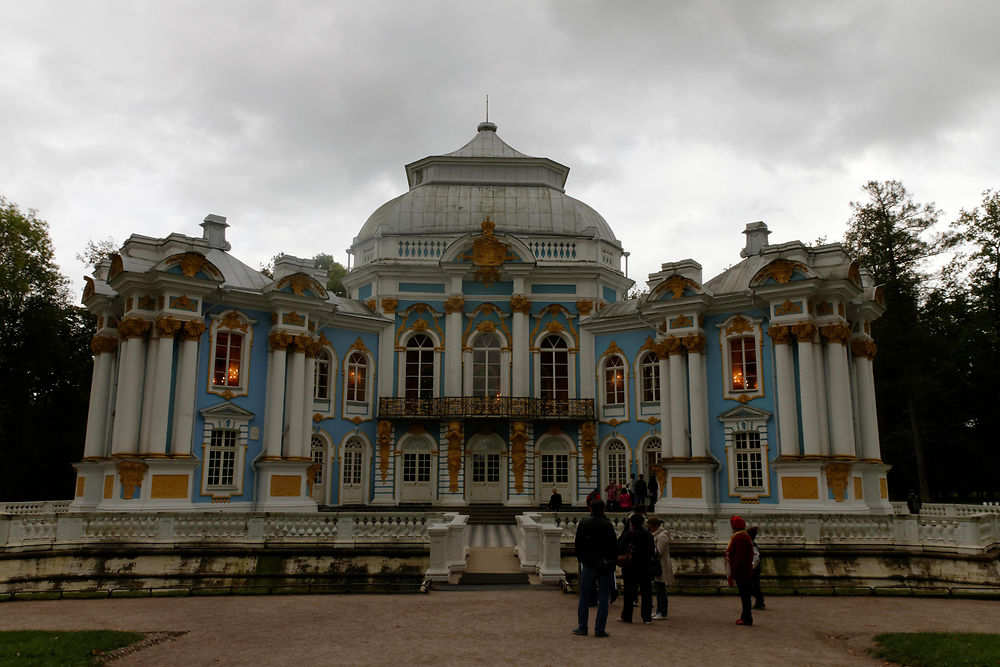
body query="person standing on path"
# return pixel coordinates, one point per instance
(595, 548)
(639, 495)
(635, 546)
(758, 595)
(739, 566)
(661, 540)
(654, 493)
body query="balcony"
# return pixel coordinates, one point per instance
(521, 408)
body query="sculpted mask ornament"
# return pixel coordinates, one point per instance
(193, 330)
(131, 474)
(486, 326)
(677, 284)
(520, 304)
(191, 263)
(780, 270)
(420, 325)
(836, 478)
(389, 305)
(518, 453)
(585, 306)
(167, 326)
(804, 332)
(384, 440)
(454, 304)
(779, 333)
(739, 325)
(588, 434)
(232, 320)
(788, 308)
(455, 437)
(488, 254)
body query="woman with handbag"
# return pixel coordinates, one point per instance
(665, 575)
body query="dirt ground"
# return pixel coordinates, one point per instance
(498, 627)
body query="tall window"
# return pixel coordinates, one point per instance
(485, 467)
(743, 363)
(353, 451)
(321, 376)
(749, 460)
(420, 367)
(318, 447)
(555, 469)
(649, 370)
(652, 453)
(486, 365)
(617, 462)
(416, 467)
(222, 458)
(228, 355)
(554, 367)
(357, 377)
(614, 381)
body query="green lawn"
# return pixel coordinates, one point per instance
(938, 649)
(39, 647)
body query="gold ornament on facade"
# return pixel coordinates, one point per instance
(612, 349)
(88, 289)
(662, 350)
(788, 308)
(103, 344)
(384, 440)
(518, 453)
(781, 270)
(824, 308)
(232, 320)
(183, 303)
(554, 327)
(293, 319)
(836, 333)
(694, 343)
(454, 304)
(520, 304)
(584, 306)
(128, 304)
(864, 347)
(371, 303)
(486, 326)
(160, 301)
(681, 322)
(674, 345)
(677, 284)
(779, 333)
(193, 329)
(146, 302)
(311, 472)
(359, 346)
(836, 478)
(117, 267)
(301, 343)
(191, 263)
(280, 340)
(131, 474)
(738, 325)
(389, 305)
(488, 254)
(455, 437)
(588, 435)
(648, 344)
(661, 478)
(299, 284)
(132, 327)
(167, 327)
(420, 325)
(804, 332)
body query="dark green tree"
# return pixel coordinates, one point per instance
(890, 234)
(335, 271)
(45, 363)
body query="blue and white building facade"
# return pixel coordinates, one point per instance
(486, 354)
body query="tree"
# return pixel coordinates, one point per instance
(887, 234)
(335, 271)
(45, 363)
(96, 252)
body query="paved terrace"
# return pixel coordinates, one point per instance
(497, 627)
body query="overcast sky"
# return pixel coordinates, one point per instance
(680, 122)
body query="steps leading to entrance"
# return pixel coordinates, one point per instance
(492, 514)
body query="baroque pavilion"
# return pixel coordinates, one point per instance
(487, 353)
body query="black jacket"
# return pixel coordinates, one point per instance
(595, 543)
(640, 492)
(643, 549)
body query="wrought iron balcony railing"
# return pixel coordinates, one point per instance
(484, 407)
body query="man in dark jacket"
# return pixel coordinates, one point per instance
(639, 497)
(595, 548)
(636, 571)
(739, 562)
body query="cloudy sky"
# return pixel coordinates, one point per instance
(680, 121)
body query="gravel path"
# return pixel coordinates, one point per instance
(497, 627)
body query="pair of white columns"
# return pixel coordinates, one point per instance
(288, 407)
(683, 397)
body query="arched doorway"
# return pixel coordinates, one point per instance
(318, 452)
(415, 471)
(486, 470)
(354, 466)
(555, 470)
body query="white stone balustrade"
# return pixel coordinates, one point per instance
(448, 546)
(539, 547)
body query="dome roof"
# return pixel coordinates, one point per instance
(452, 193)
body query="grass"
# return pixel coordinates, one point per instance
(938, 649)
(43, 647)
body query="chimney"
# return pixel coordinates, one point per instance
(215, 231)
(757, 234)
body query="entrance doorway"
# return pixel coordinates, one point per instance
(486, 470)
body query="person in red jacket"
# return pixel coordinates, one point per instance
(739, 566)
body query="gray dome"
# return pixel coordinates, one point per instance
(452, 194)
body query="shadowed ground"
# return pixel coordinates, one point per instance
(493, 627)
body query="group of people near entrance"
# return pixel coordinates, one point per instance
(633, 496)
(642, 551)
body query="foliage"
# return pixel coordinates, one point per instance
(95, 252)
(45, 362)
(941, 649)
(58, 647)
(335, 271)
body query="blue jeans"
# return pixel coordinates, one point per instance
(588, 576)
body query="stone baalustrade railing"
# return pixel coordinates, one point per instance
(36, 507)
(949, 509)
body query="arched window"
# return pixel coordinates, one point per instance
(614, 381)
(651, 453)
(318, 451)
(649, 371)
(357, 377)
(554, 367)
(486, 365)
(321, 376)
(617, 462)
(743, 363)
(352, 460)
(420, 367)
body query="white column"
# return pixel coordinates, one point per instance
(864, 350)
(126, 434)
(666, 448)
(146, 400)
(294, 395)
(520, 379)
(275, 402)
(822, 404)
(784, 368)
(166, 327)
(678, 400)
(699, 396)
(184, 388)
(386, 357)
(307, 400)
(841, 417)
(804, 334)
(100, 395)
(453, 346)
